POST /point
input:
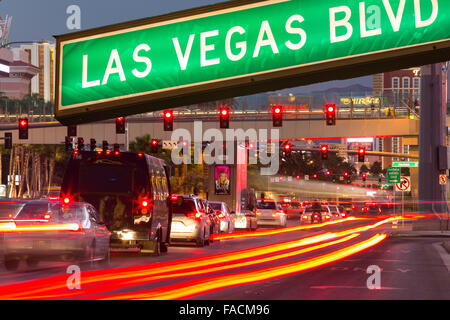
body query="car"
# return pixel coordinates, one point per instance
(190, 222)
(55, 231)
(223, 213)
(335, 213)
(315, 213)
(270, 212)
(131, 193)
(342, 211)
(214, 219)
(245, 217)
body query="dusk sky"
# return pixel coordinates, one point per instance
(41, 19)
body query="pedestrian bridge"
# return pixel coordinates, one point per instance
(294, 128)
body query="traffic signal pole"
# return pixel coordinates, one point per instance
(432, 195)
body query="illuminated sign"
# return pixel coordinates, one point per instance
(239, 47)
(367, 101)
(4, 68)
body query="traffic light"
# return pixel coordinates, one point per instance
(72, 131)
(315, 176)
(364, 175)
(168, 120)
(93, 144)
(120, 125)
(330, 111)
(277, 116)
(154, 146)
(80, 144)
(328, 173)
(361, 154)
(287, 148)
(8, 140)
(346, 174)
(23, 128)
(69, 144)
(324, 151)
(224, 118)
(116, 149)
(105, 146)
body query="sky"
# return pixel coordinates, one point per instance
(40, 20)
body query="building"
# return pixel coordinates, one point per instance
(16, 73)
(42, 55)
(400, 91)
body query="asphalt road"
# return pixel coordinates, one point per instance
(411, 268)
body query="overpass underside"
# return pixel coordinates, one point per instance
(291, 129)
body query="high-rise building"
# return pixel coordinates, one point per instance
(42, 55)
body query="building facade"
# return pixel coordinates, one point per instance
(17, 75)
(42, 55)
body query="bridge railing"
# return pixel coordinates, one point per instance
(391, 105)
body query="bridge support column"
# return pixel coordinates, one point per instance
(432, 195)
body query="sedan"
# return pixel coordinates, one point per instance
(270, 213)
(48, 230)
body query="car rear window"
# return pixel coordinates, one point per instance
(106, 178)
(315, 209)
(216, 206)
(183, 206)
(266, 205)
(31, 211)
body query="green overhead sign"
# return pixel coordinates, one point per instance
(393, 175)
(240, 44)
(405, 164)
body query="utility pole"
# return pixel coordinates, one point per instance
(433, 115)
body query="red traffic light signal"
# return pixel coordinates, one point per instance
(345, 174)
(224, 117)
(23, 128)
(287, 148)
(330, 111)
(120, 125)
(168, 120)
(277, 116)
(361, 154)
(154, 146)
(315, 175)
(364, 175)
(324, 151)
(328, 173)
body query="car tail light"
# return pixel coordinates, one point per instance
(140, 154)
(220, 214)
(337, 215)
(327, 217)
(258, 213)
(99, 152)
(173, 197)
(343, 215)
(280, 213)
(194, 215)
(305, 217)
(47, 216)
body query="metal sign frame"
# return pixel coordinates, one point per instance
(341, 68)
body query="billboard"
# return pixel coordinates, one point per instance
(222, 180)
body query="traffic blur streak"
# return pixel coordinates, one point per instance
(200, 286)
(270, 232)
(104, 280)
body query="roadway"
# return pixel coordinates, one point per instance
(326, 262)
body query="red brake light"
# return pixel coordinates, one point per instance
(47, 216)
(144, 203)
(108, 152)
(140, 154)
(99, 152)
(66, 200)
(116, 153)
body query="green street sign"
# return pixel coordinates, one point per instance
(405, 164)
(240, 47)
(393, 175)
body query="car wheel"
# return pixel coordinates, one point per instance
(32, 262)
(11, 263)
